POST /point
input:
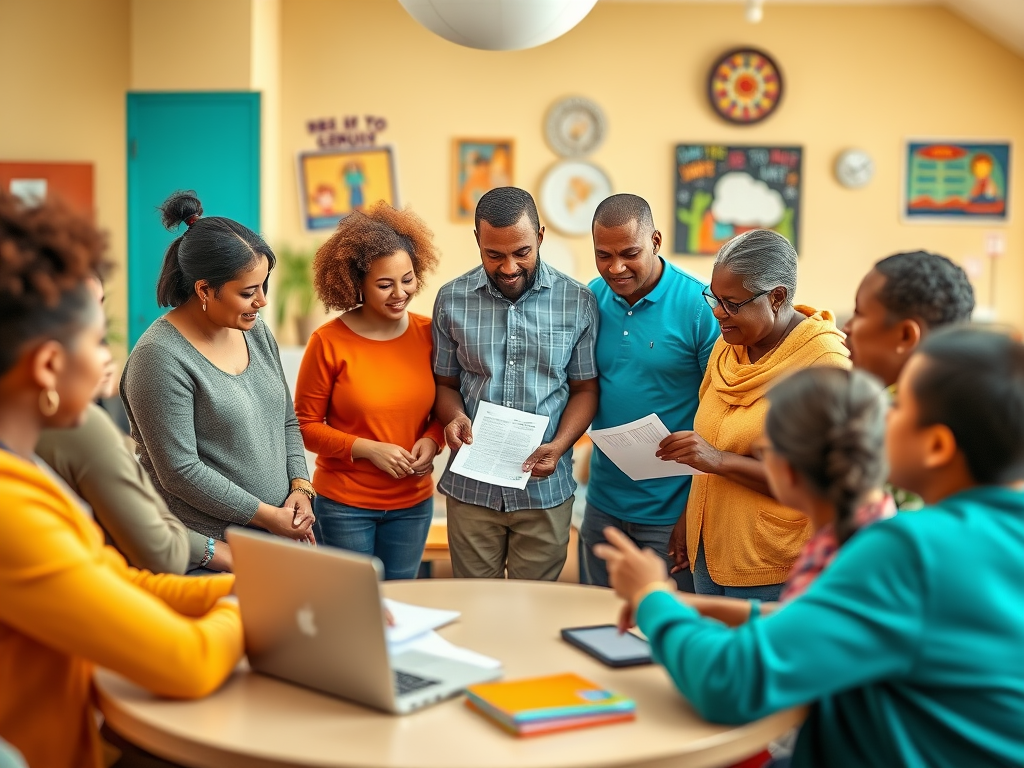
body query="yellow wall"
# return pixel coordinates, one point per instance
(190, 45)
(865, 76)
(868, 76)
(62, 98)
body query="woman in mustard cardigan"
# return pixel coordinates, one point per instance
(68, 602)
(736, 538)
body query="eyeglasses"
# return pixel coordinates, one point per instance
(730, 307)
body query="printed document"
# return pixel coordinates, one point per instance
(414, 620)
(503, 438)
(632, 447)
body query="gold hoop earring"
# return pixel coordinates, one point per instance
(204, 305)
(360, 300)
(49, 402)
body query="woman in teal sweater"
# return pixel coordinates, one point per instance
(904, 660)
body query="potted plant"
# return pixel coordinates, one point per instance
(294, 289)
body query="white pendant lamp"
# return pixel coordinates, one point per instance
(499, 25)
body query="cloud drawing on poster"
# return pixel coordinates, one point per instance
(742, 200)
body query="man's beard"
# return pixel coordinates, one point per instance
(531, 278)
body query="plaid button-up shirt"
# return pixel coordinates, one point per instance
(520, 355)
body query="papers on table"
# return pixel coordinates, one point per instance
(632, 447)
(414, 620)
(503, 438)
(413, 630)
(432, 643)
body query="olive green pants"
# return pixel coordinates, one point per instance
(528, 543)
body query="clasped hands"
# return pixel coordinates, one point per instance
(396, 460)
(541, 463)
(633, 573)
(294, 519)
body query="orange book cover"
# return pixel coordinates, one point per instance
(546, 698)
(552, 726)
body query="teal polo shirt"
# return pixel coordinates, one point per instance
(651, 358)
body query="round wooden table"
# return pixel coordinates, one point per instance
(255, 720)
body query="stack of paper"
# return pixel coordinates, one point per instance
(544, 704)
(413, 630)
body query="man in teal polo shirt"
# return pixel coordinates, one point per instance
(653, 343)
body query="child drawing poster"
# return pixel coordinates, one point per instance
(723, 191)
(479, 165)
(334, 184)
(957, 181)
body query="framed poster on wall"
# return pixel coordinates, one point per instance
(956, 181)
(478, 166)
(334, 184)
(722, 191)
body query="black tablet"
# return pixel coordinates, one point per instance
(605, 644)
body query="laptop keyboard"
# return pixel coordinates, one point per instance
(406, 683)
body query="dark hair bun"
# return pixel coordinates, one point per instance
(179, 208)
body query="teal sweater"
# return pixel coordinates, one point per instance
(910, 647)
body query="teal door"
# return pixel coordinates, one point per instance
(209, 142)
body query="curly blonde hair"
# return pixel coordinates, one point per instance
(342, 263)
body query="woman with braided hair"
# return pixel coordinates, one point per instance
(824, 454)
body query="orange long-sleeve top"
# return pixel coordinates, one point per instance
(351, 387)
(68, 603)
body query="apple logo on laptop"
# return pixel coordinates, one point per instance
(305, 618)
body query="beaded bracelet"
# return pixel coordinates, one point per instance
(210, 551)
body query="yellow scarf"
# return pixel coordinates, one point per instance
(737, 381)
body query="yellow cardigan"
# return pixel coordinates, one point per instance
(749, 538)
(68, 603)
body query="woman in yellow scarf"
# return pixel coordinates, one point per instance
(736, 538)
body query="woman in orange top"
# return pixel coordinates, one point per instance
(365, 390)
(68, 602)
(735, 537)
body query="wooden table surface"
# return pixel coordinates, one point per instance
(254, 720)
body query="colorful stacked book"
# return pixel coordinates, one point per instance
(544, 704)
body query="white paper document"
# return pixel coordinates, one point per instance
(503, 438)
(632, 447)
(432, 643)
(414, 620)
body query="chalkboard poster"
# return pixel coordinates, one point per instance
(724, 191)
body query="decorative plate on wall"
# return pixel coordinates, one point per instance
(575, 126)
(570, 193)
(745, 86)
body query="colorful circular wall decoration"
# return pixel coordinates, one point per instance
(745, 86)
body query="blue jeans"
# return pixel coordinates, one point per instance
(592, 568)
(705, 585)
(396, 536)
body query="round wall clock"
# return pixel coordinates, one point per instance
(570, 193)
(854, 168)
(574, 127)
(745, 86)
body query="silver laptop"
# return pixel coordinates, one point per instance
(314, 616)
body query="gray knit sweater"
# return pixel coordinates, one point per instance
(214, 444)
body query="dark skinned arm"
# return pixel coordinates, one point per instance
(450, 410)
(690, 448)
(577, 416)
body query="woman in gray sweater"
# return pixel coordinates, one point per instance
(205, 391)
